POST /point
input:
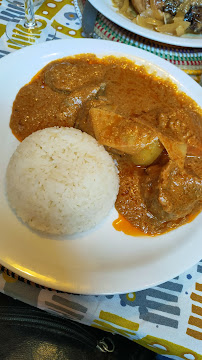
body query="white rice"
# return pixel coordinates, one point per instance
(61, 181)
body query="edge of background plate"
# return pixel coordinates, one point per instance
(112, 15)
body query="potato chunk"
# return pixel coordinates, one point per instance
(125, 135)
(148, 155)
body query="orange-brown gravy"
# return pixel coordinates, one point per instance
(121, 224)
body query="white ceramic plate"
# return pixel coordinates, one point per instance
(107, 8)
(102, 261)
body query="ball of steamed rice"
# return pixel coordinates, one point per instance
(61, 181)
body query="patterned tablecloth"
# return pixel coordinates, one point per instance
(166, 318)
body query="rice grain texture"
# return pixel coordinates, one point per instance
(61, 181)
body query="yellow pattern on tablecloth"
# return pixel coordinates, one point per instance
(165, 347)
(50, 8)
(115, 324)
(102, 325)
(118, 320)
(194, 320)
(195, 74)
(2, 29)
(66, 30)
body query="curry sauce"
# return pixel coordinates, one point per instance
(153, 132)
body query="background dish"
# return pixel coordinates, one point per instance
(102, 261)
(107, 9)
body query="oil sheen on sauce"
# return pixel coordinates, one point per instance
(121, 224)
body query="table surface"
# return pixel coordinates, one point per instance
(167, 318)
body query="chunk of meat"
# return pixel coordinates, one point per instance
(156, 198)
(149, 187)
(174, 131)
(129, 201)
(193, 165)
(171, 6)
(181, 125)
(178, 136)
(68, 77)
(79, 96)
(179, 192)
(36, 108)
(125, 135)
(71, 105)
(83, 121)
(138, 199)
(194, 16)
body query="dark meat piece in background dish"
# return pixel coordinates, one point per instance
(170, 6)
(66, 77)
(194, 16)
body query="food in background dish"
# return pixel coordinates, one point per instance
(152, 130)
(173, 17)
(61, 181)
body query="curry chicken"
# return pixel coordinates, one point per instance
(152, 130)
